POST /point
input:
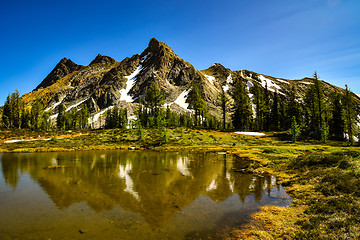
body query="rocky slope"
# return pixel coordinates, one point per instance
(105, 82)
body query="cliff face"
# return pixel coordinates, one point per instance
(63, 68)
(106, 82)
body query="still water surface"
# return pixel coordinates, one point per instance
(129, 195)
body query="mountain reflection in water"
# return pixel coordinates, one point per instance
(157, 185)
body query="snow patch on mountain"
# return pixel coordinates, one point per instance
(225, 88)
(283, 81)
(308, 83)
(228, 81)
(181, 99)
(95, 117)
(131, 79)
(269, 83)
(211, 79)
(54, 106)
(75, 105)
(145, 57)
(54, 116)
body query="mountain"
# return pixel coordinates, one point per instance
(105, 82)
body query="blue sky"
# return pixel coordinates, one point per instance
(281, 38)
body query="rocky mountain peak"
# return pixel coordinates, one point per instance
(63, 68)
(158, 48)
(218, 71)
(102, 60)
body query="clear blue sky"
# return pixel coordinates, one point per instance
(281, 38)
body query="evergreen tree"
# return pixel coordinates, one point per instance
(35, 114)
(123, 119)
(324, 131)
(319, 99)
(292, 109)
(25, 118)
(274, 114)
(336, 125)
(223, 103)
(197, 103)
(266, 109)
(16, 109)
(349, 114)
(185, 120)
(6, 116)
(44, 122)
(12, 111)
(282, 114)
(154, 100)
(242, 111)
(61, 118)
(295, 129)
(314, 115)
(85, 114)
(262, 102)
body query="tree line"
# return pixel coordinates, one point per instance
(311, 117)
(15, 114)
(252, 108)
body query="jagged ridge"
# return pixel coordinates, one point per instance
(104, 82)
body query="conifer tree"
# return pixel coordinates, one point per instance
(197, 103)
(61, 118)
(16, 109)
(154, 100)
(6, 116)
(44, 123)
(223, 103)
(274, 114)
(292, 109)
(282, 114)
(315, 121)
(349, 114)
(242, 111)
(265, 108)
(123, 118)
(35, 114)
(295, 129)
(85, 114)
(336, 125)
(12, 111)
(25, 118)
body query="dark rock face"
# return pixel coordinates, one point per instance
(102, 60)
(63, 68)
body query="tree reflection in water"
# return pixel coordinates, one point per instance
(156, 185)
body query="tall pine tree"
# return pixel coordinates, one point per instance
(314, 105)
(154, 101)
(197, 103)
(349, 114)
(242, 111)
(224, 104)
